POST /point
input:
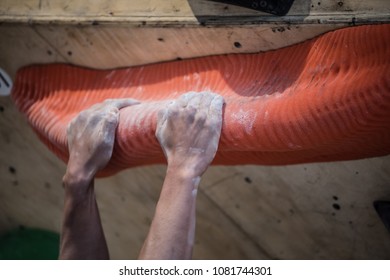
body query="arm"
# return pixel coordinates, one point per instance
(91, 140)
(188, 131)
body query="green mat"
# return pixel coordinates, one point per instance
(29, 244)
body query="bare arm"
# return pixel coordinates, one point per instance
(91, 140)
(188, 131)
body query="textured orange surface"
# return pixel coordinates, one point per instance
(326, 99)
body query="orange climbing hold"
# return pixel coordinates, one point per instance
(326, 99)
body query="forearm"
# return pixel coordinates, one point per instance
(171, 235)
(91, 137)
(82, 235)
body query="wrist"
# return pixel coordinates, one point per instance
(76, 178)
(186, 168)
(76, 183)
(78, 173)
(180, 188)
(183, 174)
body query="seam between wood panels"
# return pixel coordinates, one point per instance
(237, 225)
(50, 44)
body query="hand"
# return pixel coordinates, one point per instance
(188, 131)
(91, 137)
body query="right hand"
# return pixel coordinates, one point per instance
(189, 130)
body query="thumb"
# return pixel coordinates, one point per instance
(122, 102)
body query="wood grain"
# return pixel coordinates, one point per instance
(187, 12)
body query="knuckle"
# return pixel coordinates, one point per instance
(83, 115)
(161, 113)
(191, 110)
(201, 117)
(69, 128)
(114, 110)
(108, 101)
(110, 112)
(111, 118)
(95, 107)
(174, 112)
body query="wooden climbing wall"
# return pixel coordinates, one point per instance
(311, 211)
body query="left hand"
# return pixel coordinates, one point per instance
(91, 136)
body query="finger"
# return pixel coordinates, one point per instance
(162, 116)
(194, 100)
(95, 107)
(173, 110)
(109, 126)
(215, 113)
(121, 103)
(112, 115)
(182, 101)
(161, 120)
(206, 98)
(216, 105)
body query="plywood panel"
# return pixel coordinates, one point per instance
(106, 47)
(21, 45)
(318, 211)
(30, 177)
(110, 34)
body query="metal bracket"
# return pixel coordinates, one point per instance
(383, 210)
(276, 7)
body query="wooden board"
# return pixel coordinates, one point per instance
(110, 34)
(187, 12)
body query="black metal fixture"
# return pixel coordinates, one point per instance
(276, 7)
(383, 210)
